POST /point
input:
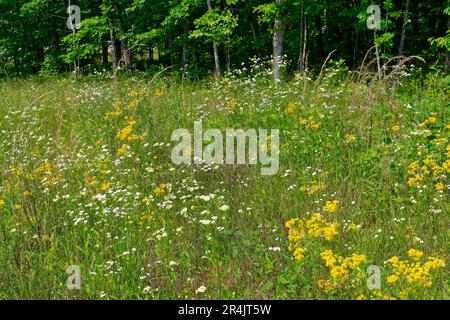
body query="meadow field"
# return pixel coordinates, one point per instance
(87, 180)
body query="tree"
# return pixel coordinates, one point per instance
(215, 48)
(279, 38)
(112, 37)
(401, 46)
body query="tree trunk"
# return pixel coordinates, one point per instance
(184, 55)
(112, 36)
(124, 42)
(215, 48)
(401, 47)
(301, 55)
(447, 55)
(278, 40)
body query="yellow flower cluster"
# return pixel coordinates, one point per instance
(290, 110)
(117, 112)
(162, 189)
(375, 295)
(123, 150)
(436, 162)
(311, 122)
(327, 285)
(429, 168)
(47, 173)
(314, 227)
(126, 133)
(429, 121)
(350, 138)
(331, 206)
(299, 253)
(313, 188)
(340, 267)
(159, 93)
(413, 270)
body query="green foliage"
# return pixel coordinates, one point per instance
(174, 33)
(86, 42)
(215, 25)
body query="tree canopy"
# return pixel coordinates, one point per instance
(196, 34)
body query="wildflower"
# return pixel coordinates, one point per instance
(122, 150)
(330, 231)
(352, 227)
(414, 272)
(403, 294)
(340, 267)
(161, 189)
(440, 186)
(159, 93)
(224, 208)
(415, 254)
(146, 289)
(125, 133)
(2, 203)
(327, 285)
(350, 138)
(290, 110)
(392, 278)
(105, 186)
(201, 289)
(133, 104)
(331, 206)
(395, 128)
(17, 206)
(299, 253)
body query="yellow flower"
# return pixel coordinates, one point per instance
(133, 104)
(440, 186)
(122, 150)
(331, 206)
(395, 128)
(392, 278)
(290, 108)
(350, 138)
(361, 297)
(415, 254)
(2, 203)
(159, 93)
(414, 271)
(105, 186)
(330, 231)
(159, 191)
(125, 133)
(352, 227)
(17, 206)
(403, 294)
(329, 258)
(327, 285)
(299, 253)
